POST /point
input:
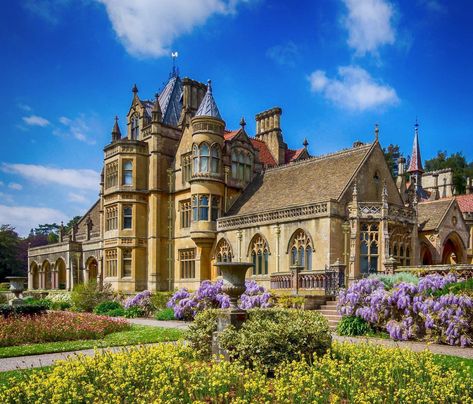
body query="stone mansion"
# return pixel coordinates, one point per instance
(180, 191)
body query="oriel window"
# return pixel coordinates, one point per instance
(135, 127)
(127, 217)
(128, 172)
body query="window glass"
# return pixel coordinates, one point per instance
(127, 217)
(204, 158)
(204, 207)
(127, 172)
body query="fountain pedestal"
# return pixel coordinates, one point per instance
(233, 274)
(17, 286)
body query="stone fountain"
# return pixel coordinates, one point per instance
(233, 274)
(17, 286)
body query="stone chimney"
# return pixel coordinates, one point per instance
(268, 130)
(435, 194)
(192, 94)
(401, 175)
(469, 185)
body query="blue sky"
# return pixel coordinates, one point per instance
(336, 67)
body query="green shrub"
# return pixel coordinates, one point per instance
(352, 326)
(86, 296)
(118, 312)
(3, 298)
(134, 311)
(105, 307)
(165, 314)
(159, 300)
(459, 288)
(200, 332)
(290, 302)
(391, 280)
(23, 310)
(4, 286)
(60, 306)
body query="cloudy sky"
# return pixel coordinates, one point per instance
(336, 67)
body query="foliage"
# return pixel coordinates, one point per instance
(272, 336)
(159, 300)
(28, 309)
(391, 280)
(165, 314)
(3, 298)
(459, 288)
(59, 301)
(137, 334)
(457, 162)
(140, 304)
(210, 296)
(411, 311)
(86, 296)
(134, 312)
(56, 326)
(9, 250)
(201, 330)
(392, 154)
(105, 307)
(290, 302)
(352, 326)
(4, 286)
(172, 374)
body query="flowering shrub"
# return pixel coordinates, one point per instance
(139, 305)
(411, 311)
(210, 296)
(172, 374)
(56, 326)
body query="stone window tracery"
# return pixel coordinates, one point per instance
(206, 159)
(224, 251)
(111, 218)
(369, 243)
(111, 174)
(205, 206)
(110, 263)
(135, 127)
(241, 165)
(301, 250)
(185, 210)
(400, 248)
(186, 164)
(259, 255)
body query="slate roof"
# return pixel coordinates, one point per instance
(312, 180)
(465, 202)
(170, 101)
(208, 106)
(431, 213)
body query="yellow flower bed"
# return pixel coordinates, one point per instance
(172, 374)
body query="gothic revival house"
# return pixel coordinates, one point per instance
(180, 191)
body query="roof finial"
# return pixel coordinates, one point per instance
(175, 69)
(156, 112)
(305, 143)
(134, 89)
(209, 86)
(116, 134)
(376, 132)
(242, 122)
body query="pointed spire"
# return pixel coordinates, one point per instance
(305, 143)
(415, 165)
(242, 122)
(134, 89)
(208, 106)
(116, 134)
(376, 132)
(156, 113)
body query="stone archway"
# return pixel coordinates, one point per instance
(61, 274)
(452, 250)
(47, 275)
(34, 275)
(92, 268)
(426, 257)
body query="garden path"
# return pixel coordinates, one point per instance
(412, 345)
(181, 325)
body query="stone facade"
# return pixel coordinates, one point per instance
(180, 192)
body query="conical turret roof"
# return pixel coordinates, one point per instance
(416, 160)
(208, 106)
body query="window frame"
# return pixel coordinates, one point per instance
(127, 215)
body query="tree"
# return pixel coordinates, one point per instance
(71, 223)
(392, 154)
(9, 248)
(50, 230)
(457, 162)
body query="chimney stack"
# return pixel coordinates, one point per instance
(469, 185)
(192, 94)
(435, 191)
(268, 130)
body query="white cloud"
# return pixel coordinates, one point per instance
(77, 198)
(73, 178)
(6, 198)
(15, 186)
(23, 218)
(369, 24)
(354, 89)
(24, 107)
(284, 54)
(81, 128)
(147, 28)
(35, 120)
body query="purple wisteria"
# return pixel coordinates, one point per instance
(410, 311)
(141, 300)
(209, 295)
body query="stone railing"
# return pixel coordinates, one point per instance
(281, 280)
(464, 270)
(368, 210)
(401, 213)
(283, 215)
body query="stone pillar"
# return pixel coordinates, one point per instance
(295, 270)
(390, 265)
(339, 268)
(100, 272)
(239, 237)
(30, 275)
(354, 270)
(277, 230)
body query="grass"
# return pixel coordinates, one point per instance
(139, 334)
(454, 361)
(7, 376)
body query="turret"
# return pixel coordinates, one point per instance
(268, 130)
(116, 134)
(415, 166)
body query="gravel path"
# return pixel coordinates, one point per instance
(414, 346)
(181, 325)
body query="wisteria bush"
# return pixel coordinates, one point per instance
(410, 311)
(139, 305)
(210, 296)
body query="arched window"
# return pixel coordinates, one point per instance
(223, 251)
(259, 251)
(204, 158)
(369, 241)
(215, 159)
(203, 207)
(195, 155)
(242, 165)
(399, 247)
(301, 249)
(135, 127)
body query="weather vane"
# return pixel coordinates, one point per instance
(175, 70)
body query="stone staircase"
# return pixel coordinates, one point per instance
(329, 311)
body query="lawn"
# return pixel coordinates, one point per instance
(454, 361)
(139, 334)
(17, 374)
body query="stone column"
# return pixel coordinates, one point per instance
(30, 275)
(339, 268)
(239, 237)
(354, 270)
(295, 270)
(100, 272)
(277, 230)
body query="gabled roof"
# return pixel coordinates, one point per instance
(431, 213)
(307, 181)
(416, 160)
(208, 106)
(465, 202)
(265, 156)
(230, 134)
(293, 155)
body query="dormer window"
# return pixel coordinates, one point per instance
(135, 127)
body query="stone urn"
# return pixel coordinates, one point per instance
(17, 286)
(233, 274)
